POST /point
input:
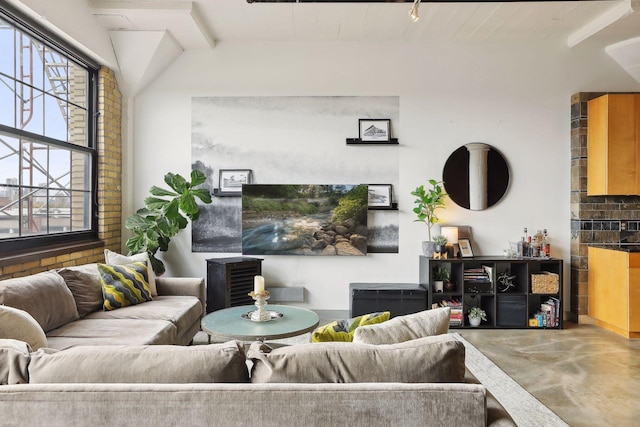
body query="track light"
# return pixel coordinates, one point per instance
(413, 13)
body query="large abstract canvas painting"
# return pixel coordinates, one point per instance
(288, 140)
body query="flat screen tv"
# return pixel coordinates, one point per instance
(320, 220)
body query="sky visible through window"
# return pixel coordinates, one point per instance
(45, 174)
(41, 106)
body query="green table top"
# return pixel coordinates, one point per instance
(228, 323)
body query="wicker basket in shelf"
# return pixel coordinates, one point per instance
(545, 283)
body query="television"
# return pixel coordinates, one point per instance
(315, 220)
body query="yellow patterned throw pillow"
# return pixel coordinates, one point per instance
(343, 330)
(124, 285)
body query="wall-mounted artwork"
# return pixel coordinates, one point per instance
(378, 130)
(232, 180)
(316, 220)
(380, 196)
(288, 140)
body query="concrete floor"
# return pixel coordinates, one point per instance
(585, 374)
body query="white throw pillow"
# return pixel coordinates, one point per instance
(114, 258)
(19, 325)
(405, 328)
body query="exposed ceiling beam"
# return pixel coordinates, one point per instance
(612, 15)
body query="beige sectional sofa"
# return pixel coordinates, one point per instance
(417, 383)
(96, 368)
(67, 304)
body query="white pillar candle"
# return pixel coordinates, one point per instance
(258, 284)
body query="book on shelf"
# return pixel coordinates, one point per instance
(456, 318)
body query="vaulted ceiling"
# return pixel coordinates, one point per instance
(196, 24)
(147, 35)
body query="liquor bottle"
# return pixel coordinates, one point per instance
(522, 245)
(546, 246)
(537, 244)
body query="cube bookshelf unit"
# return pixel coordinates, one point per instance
(476, 282)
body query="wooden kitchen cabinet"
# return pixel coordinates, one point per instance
(613, 138)
(614, 290)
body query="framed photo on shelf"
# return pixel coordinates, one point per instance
(231, 180)
(380, 195)
(375, 130)
(465, 248)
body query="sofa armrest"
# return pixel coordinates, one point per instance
(188, 286)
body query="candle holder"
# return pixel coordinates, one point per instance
(261, 314)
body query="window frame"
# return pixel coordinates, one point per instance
(50, 40)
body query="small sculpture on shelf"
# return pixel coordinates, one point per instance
(506, 282)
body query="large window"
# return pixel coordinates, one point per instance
(48, 153)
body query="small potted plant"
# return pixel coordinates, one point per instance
(427, 202)
(476, 315)
(440, 275)
(441, 242)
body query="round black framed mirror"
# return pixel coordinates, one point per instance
(476, 176)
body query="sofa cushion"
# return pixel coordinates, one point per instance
(112, 332)
(85, 285)
(214, 363)
(182, 311)
(44, 296)
(114, 258)
(438, 358)
(19, 325)
(405, 328)
(14, 359)
(342, 330)
(124, 285)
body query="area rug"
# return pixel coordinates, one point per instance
(525, 409)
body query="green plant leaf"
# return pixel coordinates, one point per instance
(136, 221)
(161, 192)
(203, 194)
(154, 203)
(188, 204)
(157, 265)
(197, 177)
(177, 182)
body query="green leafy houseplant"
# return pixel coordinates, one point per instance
(475, 312)
(440, 240)
(428, 201)
(441, 273)
(154, 225)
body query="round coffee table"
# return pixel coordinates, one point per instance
(230, 324)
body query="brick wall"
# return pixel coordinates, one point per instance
(594, 219)
(109, 192)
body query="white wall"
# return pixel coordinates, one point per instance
(514, 97)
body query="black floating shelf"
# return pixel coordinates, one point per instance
(218, 193)
(358, 141)
(393, 207)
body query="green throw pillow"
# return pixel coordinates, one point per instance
(343, 330)
(124, 285)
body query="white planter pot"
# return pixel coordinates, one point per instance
(438, 286)
(474, 321)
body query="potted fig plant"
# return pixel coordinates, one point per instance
(154, 225)
(476, 315)
(428, 201)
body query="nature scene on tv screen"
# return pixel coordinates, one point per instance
(304, 220)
